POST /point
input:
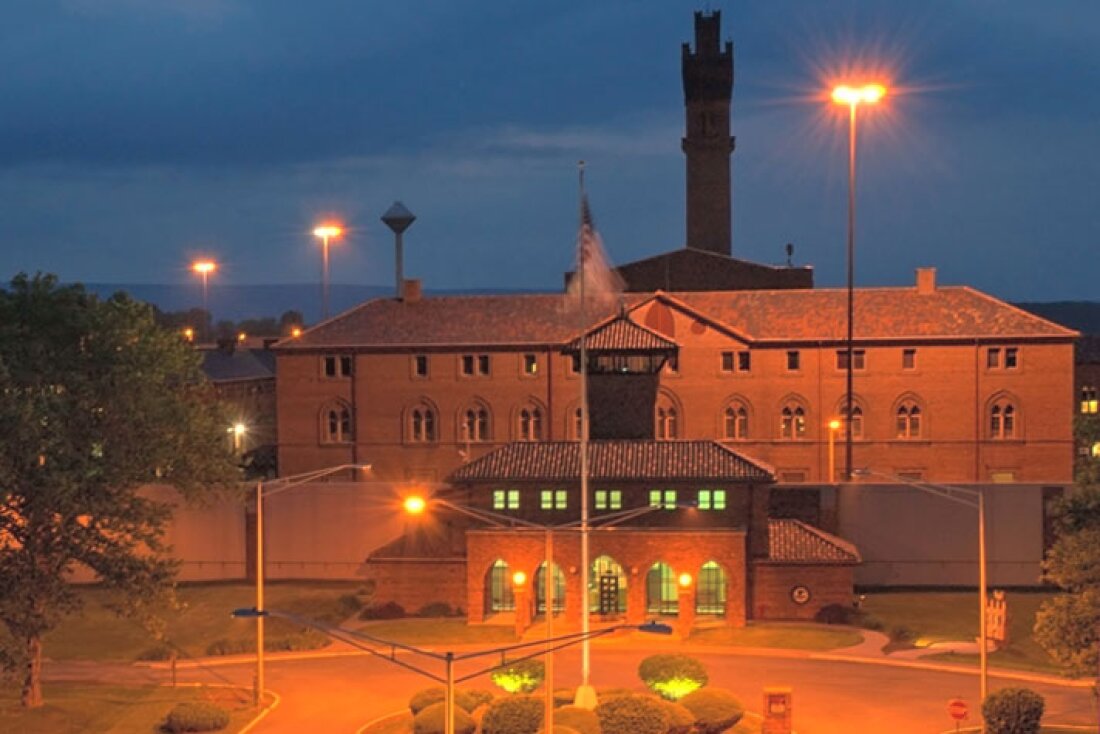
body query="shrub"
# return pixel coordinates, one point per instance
(465, 700)
(196, 716)
(581, 720)
(432, 719)
(305, 640)
(633, 715)
(156, 652)
(1013, 711)
(513, 715)
(522, 676)
(476, 698)
(436, 609)
(901, 633)
(349, 604)
(389, 610)
(226, 646)
(672, 676)
(714, 709)
(680, 719)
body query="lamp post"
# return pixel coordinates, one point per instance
(834, 426)
(325, 232)
(204, 268)
(267, 489)
(238, 430)
(975, 499)
(398, 218)
(853, 97)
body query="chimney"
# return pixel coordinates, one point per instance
(926, 281)
(411, 291)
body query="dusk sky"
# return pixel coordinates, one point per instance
(138, 134)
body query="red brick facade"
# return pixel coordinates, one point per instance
(777, 590)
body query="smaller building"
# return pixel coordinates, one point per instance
(243, 376)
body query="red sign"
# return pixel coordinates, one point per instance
(956, 709)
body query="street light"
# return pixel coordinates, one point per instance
(359, 641)
(204, 268)
(834, 426)
(975, 499)
(852, 96)
(238, 430)
(276, 486)
(325, 232)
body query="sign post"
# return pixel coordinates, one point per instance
(957, 710)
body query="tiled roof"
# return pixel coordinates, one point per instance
(758, 316)
(793, 541)
(621, 334)
(240, 364)
(624, 460)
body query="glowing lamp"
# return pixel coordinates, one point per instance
(415, 505)
(852, 96)
(242, 336)
(204, 267)
(239, 429)
(519, 578)
(834, 425)
(326, 231)
(685, 580)
(189, 334)
(295, 332)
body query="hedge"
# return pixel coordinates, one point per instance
(522, 676)
(513, 715)
(633, 715)
(196, 716)
(672, 676)
(1013, 711)
(714, 709)
(431, 720)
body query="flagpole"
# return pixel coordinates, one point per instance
(586, 695)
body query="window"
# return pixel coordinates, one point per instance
(553, 499)
(664, 498)
(993, 357)
(1012, 356)
(483, 364)
(475, 364)
(856, 419)
(530, 424)
(420, 365)
(505, 499)
(739, 361)
(336, 365)
(1002, 420)
(1089, 403)
(498, 588)
(735, 422)
(858, 359)
(609, 499)
(530, 364)
(793, 360)
(744, 361)
(575, 364)
(727, 361)
(422, 424)
(336, 425)
(908, 359)
(792, 422)
(667, 423)
(908, 420)
(475, 424)
(710, 594)
(711, 499)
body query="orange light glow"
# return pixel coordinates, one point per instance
(685, 580)
(295, 332)
(519, 578)
(239, 429)
(242, 336)
(203, 267)
(415, 505)
(328, 230)
(852, 96)
(189, 334)
(834, 425)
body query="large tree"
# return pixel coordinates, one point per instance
(96, 402)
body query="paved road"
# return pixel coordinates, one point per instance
(340, 694)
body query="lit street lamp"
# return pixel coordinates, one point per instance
(325, 232)
(204, 268)
(238, 430)
(853, 97)
(834, 426)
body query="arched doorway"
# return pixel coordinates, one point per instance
(710, 592)
(540, 589)
(660, 590)
(607, 587)
(498, 588)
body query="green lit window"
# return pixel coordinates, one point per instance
(499, 498)
(609, 499)
(712, 499)
(665, 498)
(505, 499)
(554, 499)
(513, 499)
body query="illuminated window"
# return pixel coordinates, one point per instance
(530, 364)
(498, 588)
(735, 422)
(664, 498)
(475, 424)
(1002, 420)
(530, 424)
(710, 594)
(711, 499)
(908, 421)
(667, 422)
(336, 424)
(1089, 403)
(792, 422)
(553, 499)
(609, 499)
(505, 499)
(422, 424)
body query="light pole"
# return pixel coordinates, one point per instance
(975, 499)
(325, 232)
(834, 426)
(204, 268)
(853, 97)
(238, 430)
(266, 489)
(398, 218)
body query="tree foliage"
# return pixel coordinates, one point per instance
(97, 402)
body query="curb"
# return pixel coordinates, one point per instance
(276, 699)
(379, 720)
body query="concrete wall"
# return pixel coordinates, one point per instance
(909, 538)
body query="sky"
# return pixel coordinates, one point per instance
(137, 135)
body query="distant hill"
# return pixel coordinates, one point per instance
(1084, 316)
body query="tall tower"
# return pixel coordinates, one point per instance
(708, 89)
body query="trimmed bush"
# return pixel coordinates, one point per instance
(476, 698)
(432, 719)
(389, 610)
(581, 720)
(196, 716)
(513, 715)
(436, 609)
(1013, 711)
(714, 709)
(522, 676)
(672, 676)
(633, 715)
(465, 700)
(680, 719)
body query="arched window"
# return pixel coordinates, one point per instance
(607, 587)
(668, 423)
(856, 417)
(710, 594)
(540, 589)
(530, 423)
(735, 421)
(660, 590)
(422, 424)
(1002, 420)
(475, 424)
(498, 588)
(908, 423)
(336, 424)
(792, 421)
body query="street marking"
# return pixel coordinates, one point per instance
(276, 700)
(379, 720)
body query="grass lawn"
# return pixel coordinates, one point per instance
(792, 636)
(86, 707)
(424, 631)
(938, 616)
(203, 617)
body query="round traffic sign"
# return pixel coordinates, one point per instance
(957, 709)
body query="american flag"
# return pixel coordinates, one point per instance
(602, 283)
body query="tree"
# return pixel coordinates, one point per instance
(1086, 432)
(97, 402)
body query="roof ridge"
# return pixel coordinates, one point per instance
(1013, 307)
(829, 538)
